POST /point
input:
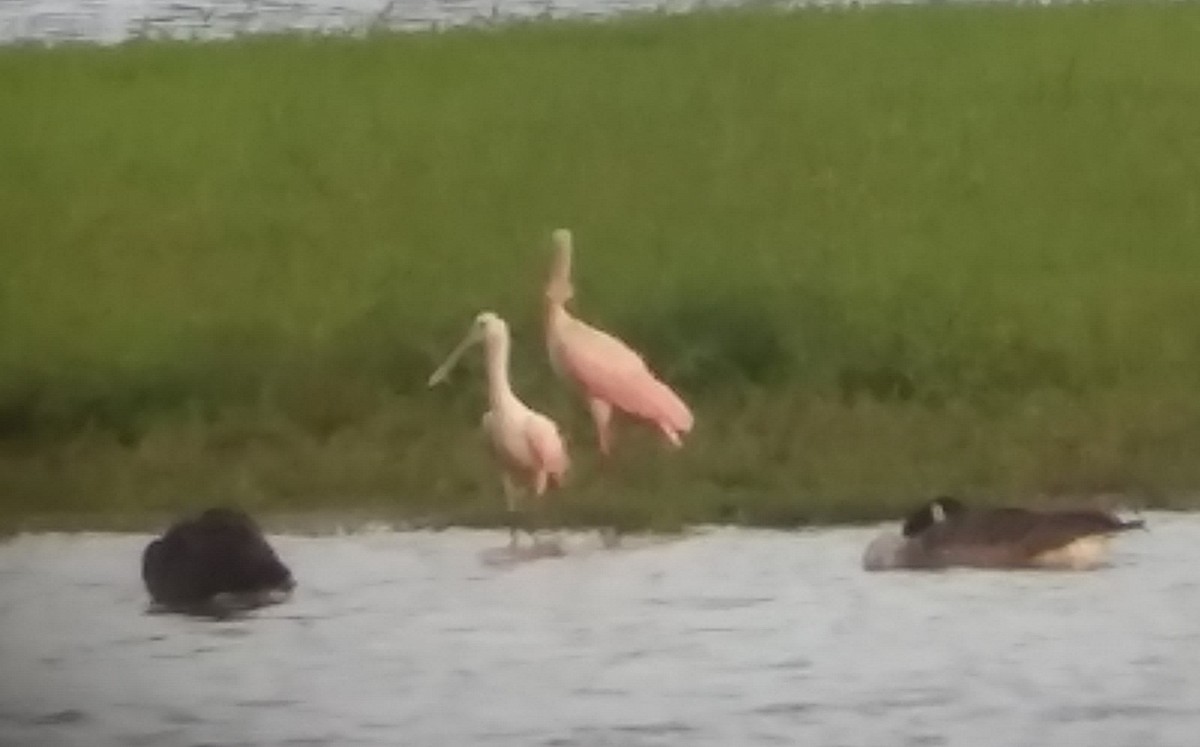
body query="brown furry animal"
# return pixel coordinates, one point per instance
(214, 564)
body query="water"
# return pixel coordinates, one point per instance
(110, 21)
(731, 637)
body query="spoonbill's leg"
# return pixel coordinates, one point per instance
(511, 494)
(602, 415)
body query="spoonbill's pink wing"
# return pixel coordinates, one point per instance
(547, 446)
(611, 371)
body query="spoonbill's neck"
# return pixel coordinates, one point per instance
(499, 388)
(556, 312)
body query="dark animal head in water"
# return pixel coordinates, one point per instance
(934, 512)
(217, 561)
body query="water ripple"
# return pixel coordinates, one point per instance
(791, 644)
(112, 21)
(59, 718)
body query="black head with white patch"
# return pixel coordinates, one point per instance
(936, 511)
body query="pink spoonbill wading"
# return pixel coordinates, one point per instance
(608, 373)
(528, 445)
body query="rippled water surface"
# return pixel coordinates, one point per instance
(729, 637)
(116, 20)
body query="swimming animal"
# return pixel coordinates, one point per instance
(214, 564)
(944, 532)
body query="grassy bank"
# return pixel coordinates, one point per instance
(883, 252)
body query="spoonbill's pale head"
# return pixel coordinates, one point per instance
(559, 289)
(487, 327)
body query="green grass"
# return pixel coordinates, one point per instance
(883, 252)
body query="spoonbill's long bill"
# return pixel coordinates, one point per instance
(608, 372)
(529, 447)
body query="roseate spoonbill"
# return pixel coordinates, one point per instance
(944, 532)
(530, 449)
(606, 370)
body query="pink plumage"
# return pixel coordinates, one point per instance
(607, 371)
(549, 452)
(528, 445)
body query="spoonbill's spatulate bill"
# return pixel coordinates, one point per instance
(529, 447)
(608, 372)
